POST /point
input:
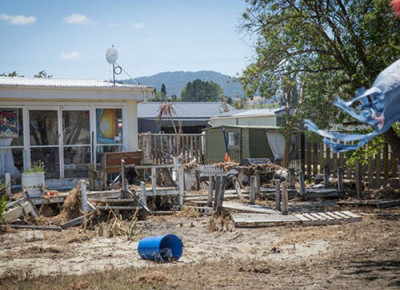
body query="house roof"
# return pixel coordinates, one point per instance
(184, 110)
(249, 113)
(62, 83)
(244, 127)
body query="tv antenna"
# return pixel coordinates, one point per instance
(111, 57)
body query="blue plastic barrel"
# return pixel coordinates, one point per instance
(161, 248)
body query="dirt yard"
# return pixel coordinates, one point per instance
(363, 255)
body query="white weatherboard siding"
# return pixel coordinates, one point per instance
(132, 129)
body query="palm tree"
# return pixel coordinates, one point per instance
(167, 109)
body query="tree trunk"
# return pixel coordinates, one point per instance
(394, 141)
(288, 138)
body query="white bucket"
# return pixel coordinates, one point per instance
(33, 183)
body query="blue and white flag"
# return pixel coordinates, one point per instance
(379, 107)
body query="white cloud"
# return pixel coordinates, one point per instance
(139, 25)
(70, 55)
(113, 25)
(77, 19)
(18, 19)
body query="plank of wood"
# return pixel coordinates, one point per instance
(334, 215)
(255, 208)
(375, 203)
(302, 218)
(74, 222)
(318, 216)
(237, 187)
(327, 217)
(342, 215)
(116, 207)
(113, 200)
(242, 220)
(29, 227)
(310, 217)
(353, 215)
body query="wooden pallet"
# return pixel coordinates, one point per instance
(328, 218)
(253, 220)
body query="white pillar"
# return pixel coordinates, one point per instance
(131, 126)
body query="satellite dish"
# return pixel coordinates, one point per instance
(111, 55)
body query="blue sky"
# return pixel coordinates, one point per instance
(69, 38)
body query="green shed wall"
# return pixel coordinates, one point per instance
(253, 144)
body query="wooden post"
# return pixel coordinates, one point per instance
(8, 183)
(252, 196)
(277, 194)
(257, 182)
(124, 184)
(154, 180)
(326, 176)
(92, 176)
(340, 182)
(181, 184)
(358, 177)
(84, 204)
(218, 181)
(237, 187)
(291, 178)
(302, 151)
(385, 163)
(143, 190)
(302, 186)
(285, 208)
(221, 194)
(210, 191)
(197, 174)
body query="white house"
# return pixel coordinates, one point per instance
(67, 124)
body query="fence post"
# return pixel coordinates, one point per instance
(326, 176)
(154, 180)
(252, 196)
(302, 186)
(84, 204)
(181, 184)
(285, 208)
(340, 182)
(210, 191)
(218, 180)
(358, 177)
(8, 183)
(124, 184)
(291, 178)
(143, 190)
(277, 194)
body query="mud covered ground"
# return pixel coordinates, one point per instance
(216, 255)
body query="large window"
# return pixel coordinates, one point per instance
(108, 131)
(11, 142)
(44, 138)
(76, 139)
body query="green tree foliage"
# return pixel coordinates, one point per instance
(324, 48)
(163, 90)
(43, 74)
(200, 91)
(11, 74)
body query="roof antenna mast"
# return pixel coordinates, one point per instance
(111, 57)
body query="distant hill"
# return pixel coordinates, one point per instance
(176, 81)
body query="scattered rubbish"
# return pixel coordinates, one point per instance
(167, 248)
